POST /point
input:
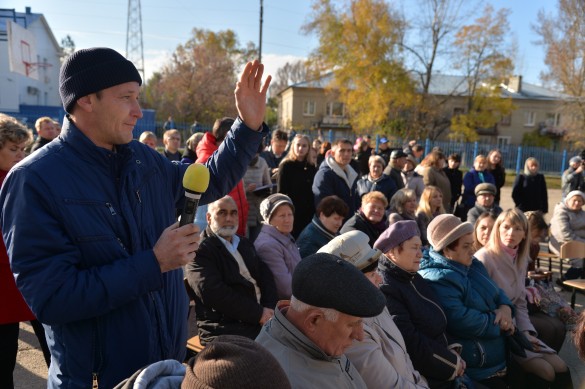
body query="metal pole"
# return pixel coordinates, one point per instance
(261, 20)
(519, 160)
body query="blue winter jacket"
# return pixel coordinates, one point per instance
(471, 179)
(469, 298)
(80, 223)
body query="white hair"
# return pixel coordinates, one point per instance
(297, 305)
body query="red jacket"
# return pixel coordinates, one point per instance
(205, 148)
(13, 309)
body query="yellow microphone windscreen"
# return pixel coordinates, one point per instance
(196, 178)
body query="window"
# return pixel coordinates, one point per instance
(309, 108)
(335, 109)
(529, 118)
(503, 141)
(506, 120)
(553, 119)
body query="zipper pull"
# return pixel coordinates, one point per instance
(138, 196)
(111, 208)
(94, 381)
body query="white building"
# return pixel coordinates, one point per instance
(17, 89)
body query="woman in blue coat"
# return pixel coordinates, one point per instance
(476, 175)
(478, 311)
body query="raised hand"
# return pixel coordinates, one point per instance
(251, 94)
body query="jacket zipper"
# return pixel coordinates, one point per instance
(111, 208)
(445, 361)
(430, 301)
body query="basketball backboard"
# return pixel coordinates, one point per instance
(22, 50)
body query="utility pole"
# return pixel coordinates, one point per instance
(261, 20)
(134, 46)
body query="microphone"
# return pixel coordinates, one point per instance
(195, 182)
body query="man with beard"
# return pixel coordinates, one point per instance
(234, 290)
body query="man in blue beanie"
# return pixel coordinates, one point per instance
(89, 223)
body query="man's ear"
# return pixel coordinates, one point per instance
(85, 103)
(313, 319)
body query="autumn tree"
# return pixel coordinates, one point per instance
(358, 44)
(198, 81)
(485, 58)
(563, 38)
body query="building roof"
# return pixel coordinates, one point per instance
(443, 84)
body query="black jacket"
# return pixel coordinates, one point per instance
(421, 320)
(360, 223)
(529, 193)
(225, 302)
(455, 177)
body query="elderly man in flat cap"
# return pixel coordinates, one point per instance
(310, 334)
(485, 195)
(89, 223)
(381, 357)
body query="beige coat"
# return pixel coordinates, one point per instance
(438, 178)
(510, 278)
(381, 358)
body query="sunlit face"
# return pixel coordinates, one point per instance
(373, 210)
(408, 166)
(335, 337)
(301, 148)
(436, 200)
(409, 257)
(495, 158)
(332, 222)
(10, 154)
(150, 142)
(342, 154)
(511, 234)
(172, 142)
(114, 115)
(463, 251)
(410, 205)
(532, 167)
(575, 203)
(486, 200)
(48, 130)
(283, 219)
(278, 146)
(453, 164)
(376, 169)
(484, 229)
(223, 218)
(480, 164)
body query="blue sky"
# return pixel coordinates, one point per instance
(168, 23)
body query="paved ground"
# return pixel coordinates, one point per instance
(31, 371)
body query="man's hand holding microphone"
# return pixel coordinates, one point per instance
(179, 242)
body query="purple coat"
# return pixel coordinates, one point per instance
(281, 254)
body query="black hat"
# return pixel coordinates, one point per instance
(397, 154)
(92, 70)
(327, 281)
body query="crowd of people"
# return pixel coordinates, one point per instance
(316, 264)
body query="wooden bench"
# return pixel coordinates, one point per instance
(578, 284)
(194, 344)
(549, 256)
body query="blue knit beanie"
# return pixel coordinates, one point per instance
(91, 70)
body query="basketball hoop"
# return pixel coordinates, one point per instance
(31, 67)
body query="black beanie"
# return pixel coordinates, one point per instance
(90, 70)
(327, 281)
